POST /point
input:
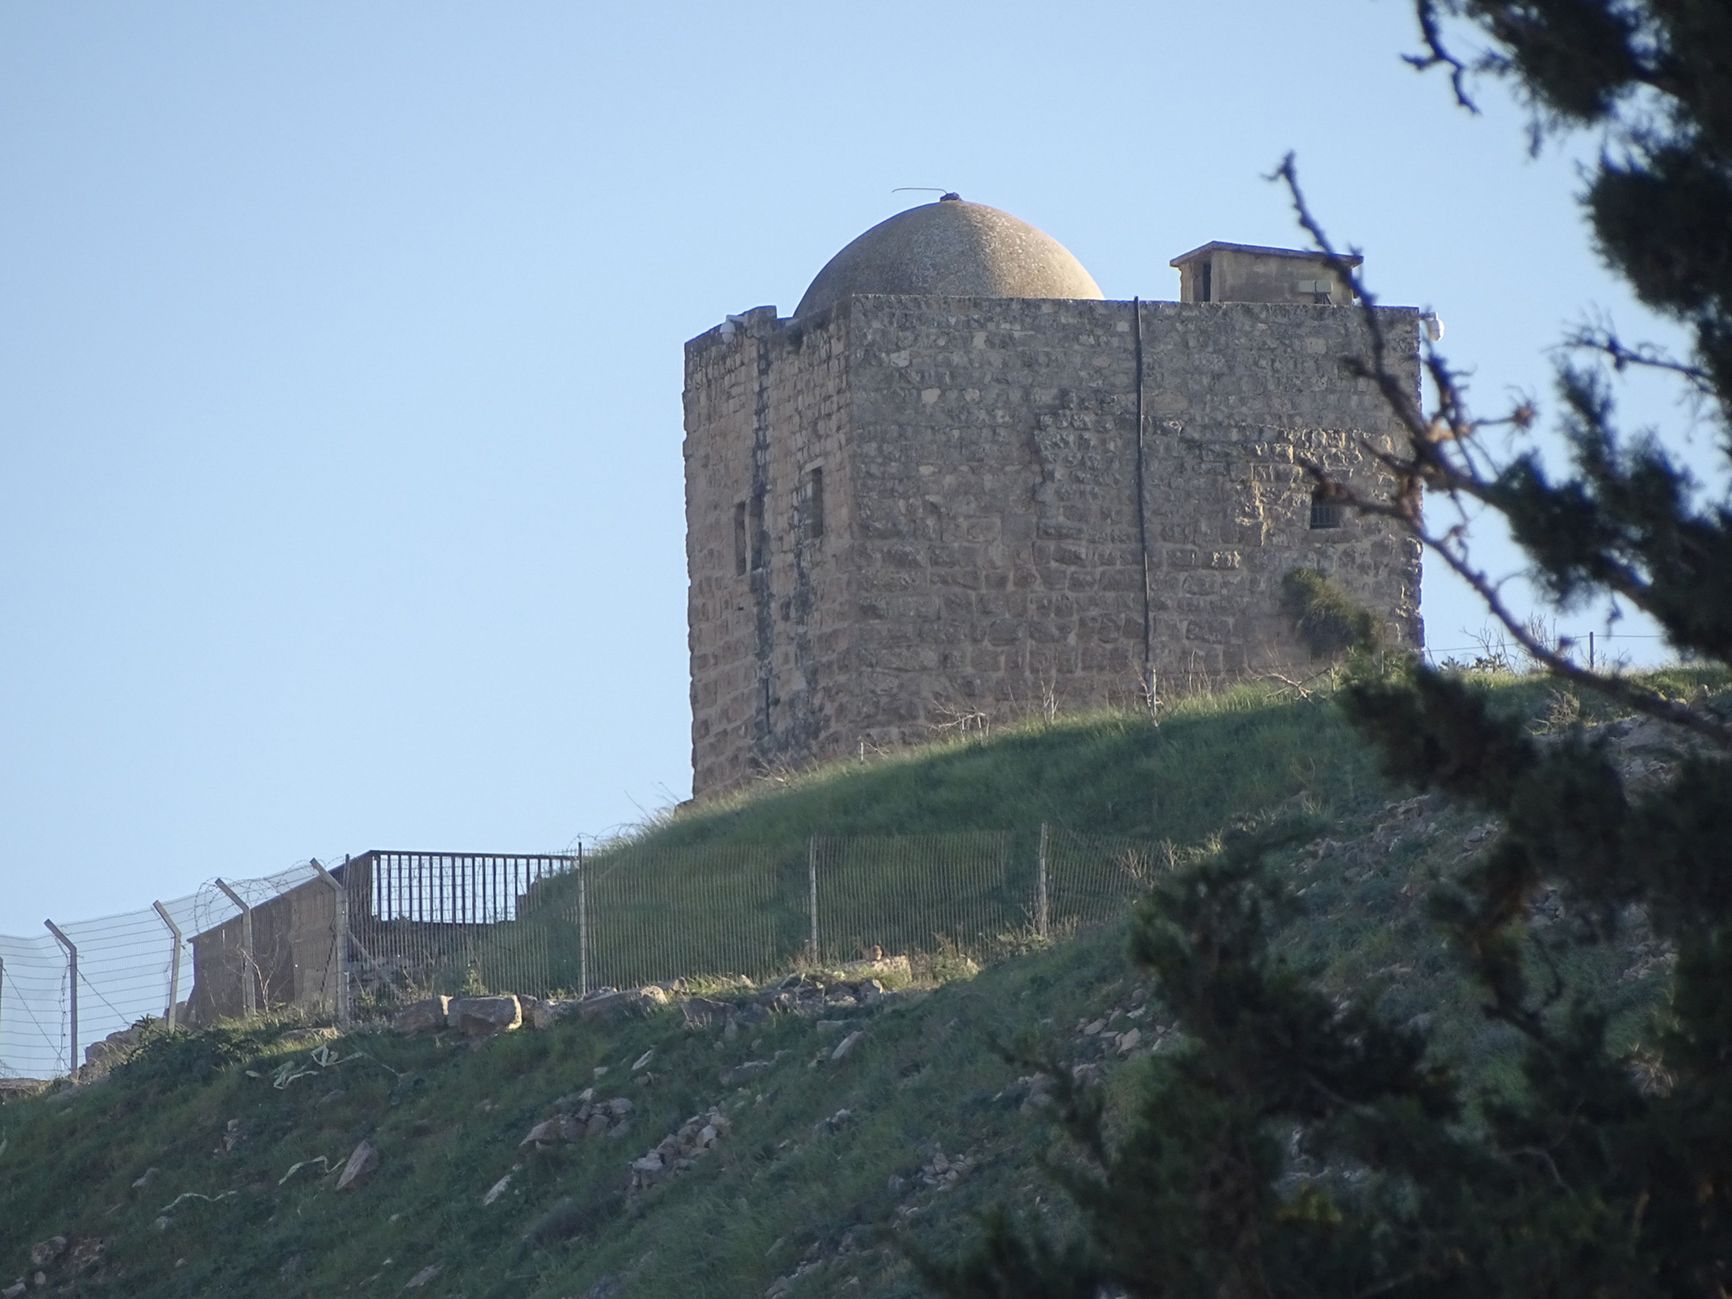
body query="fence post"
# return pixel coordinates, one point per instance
(1042, 908)
(340, 926)
(175, 941)
(812, 882)
(72, 989)
(249, 1000)
(582, 924)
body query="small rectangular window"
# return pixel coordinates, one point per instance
(1205, 281)
(757, 529)
(1326, 509)
(740, 542)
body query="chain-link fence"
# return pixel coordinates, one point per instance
(79, 982)
(386, 927)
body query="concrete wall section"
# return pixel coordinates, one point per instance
(294, 962)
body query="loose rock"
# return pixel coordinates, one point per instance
(44, 1252)
(424, 1016)
(745, 1072)
(362, 1162)
(484, 1016)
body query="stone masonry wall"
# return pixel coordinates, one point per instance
(768, 517)
(982, 547)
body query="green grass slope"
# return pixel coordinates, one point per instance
(205, 1166)
(928, 848)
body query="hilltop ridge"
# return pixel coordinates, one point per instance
(777, 1137)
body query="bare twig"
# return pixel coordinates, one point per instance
(1439, 456)
(1438, 55)
(1647, 356)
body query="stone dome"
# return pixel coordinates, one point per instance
(951, 249)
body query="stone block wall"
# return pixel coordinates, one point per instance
(983, 537)
(769, 514)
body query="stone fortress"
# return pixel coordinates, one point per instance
(960, 483)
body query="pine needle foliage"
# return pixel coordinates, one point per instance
(1300, 1145)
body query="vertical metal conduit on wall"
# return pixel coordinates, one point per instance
(1148, 681)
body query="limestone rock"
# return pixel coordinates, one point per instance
(543, 1134)
(884, 967)
(744, 1072)
(677, 1151)
(422, 1016)
(362, 1163)
(612, 1006)
(546, 1013)
(422, 1277)
(498, 1189)
(837, 1121)
(85, 1254)
(484, 1016)
(44, 1252)
(12, 1291)
(574, 1102)
(846, 1046)
(700, 1012)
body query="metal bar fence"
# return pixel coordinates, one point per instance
(897, 893)
(418, 923)
(1092, 878)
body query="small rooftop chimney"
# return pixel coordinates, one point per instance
(1221, 272)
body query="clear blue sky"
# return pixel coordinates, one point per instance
(340, 359)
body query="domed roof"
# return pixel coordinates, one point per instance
(951, 249)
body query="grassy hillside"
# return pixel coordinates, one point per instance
(931, 848)
(207, 1164)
